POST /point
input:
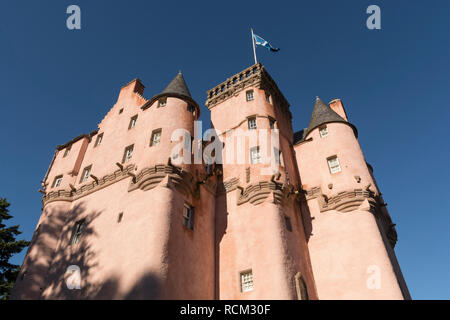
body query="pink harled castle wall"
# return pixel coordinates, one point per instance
(303, 232)
(149, 254)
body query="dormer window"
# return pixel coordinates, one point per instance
(162, 102)
(249, 95)
(57, 181)
(67, 151)
(99, 140)
(132, 122)
(323, 131)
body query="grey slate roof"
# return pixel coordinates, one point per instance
(322, 113)
(177, 88)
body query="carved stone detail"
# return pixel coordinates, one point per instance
(84, 190)
(145, 180)
(347, 201)
(259, 192)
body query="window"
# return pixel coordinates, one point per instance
(156, 138)
(162, 102)
(268, 97)
(252, 123)
(86, 174)
(190, 108)
(246, 281)
(323, 131)
(249, 95)
(77, 231)
(300, 285)
(119, 218)
(132, 122)
(271, 123)
(57, 181)
(120, 111)
(99, 140)
(333, 164)
(66, 153)
(287, 221)
(276, 153)
(128, 153)
(188, 216)
(255, 155)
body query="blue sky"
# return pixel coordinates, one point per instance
(56, 84)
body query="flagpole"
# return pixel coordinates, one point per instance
(254, 50)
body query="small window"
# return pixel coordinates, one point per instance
(66, 153)
(120, 111)
(86, 174)
(162, 102)
(57, 181)
(156, 138)
(128, 154)
(77, 231)
(255, 155)
(119, 217)
(272, 123)
(252, 123)
(287, 221)
(188, 216)
(132, 122)
(333, 164)
(99, 140)
(323, 131)
(267, 97)
(246, 281)
(302, 290)
(249, 95)
(190, 108)
(276, 153)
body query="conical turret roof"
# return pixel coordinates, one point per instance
(322, 113)
(177, 88)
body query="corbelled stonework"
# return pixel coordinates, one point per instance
(255, 76)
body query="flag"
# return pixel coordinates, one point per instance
(261, 42)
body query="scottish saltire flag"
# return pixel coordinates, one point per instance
(261, 42)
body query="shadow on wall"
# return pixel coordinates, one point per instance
(221, 224)
(44, 272)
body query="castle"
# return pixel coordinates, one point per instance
(121, 220)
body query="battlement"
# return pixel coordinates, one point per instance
(257, 76)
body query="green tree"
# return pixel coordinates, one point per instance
(8, 247)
